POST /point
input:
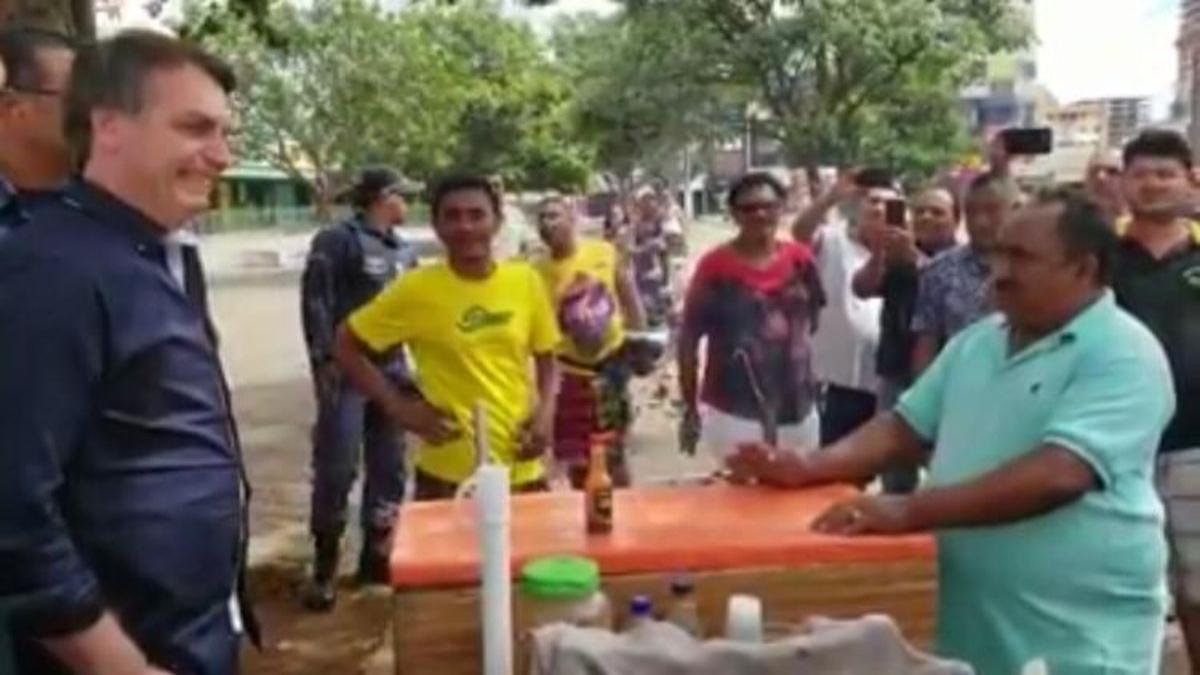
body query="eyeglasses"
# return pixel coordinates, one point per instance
(32, 91)
(752, 207)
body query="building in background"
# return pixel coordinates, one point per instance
(115, 15)
(1082, 124)
(1009, 94)
(1125, 117)
(1187, 99)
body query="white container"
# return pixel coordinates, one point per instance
(744, 619)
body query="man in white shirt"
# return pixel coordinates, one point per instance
(848, 328)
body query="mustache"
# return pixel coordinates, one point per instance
(1004, 285)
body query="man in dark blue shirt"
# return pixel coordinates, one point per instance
(34, 156)
(122, 494)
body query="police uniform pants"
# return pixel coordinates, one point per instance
(349, 426)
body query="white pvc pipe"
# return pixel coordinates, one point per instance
(492, 501)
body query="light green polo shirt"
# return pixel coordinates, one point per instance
(1082, 586)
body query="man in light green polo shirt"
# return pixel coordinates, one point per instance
(1044, 420)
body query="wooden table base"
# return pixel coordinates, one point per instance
(438, 630)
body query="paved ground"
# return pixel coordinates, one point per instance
(256, 307)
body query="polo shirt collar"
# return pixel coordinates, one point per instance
(1123, 227)
(1074, 330)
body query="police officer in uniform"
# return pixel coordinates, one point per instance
(348, 264)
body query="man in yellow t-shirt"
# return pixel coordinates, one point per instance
(595, 298)
(473, 327)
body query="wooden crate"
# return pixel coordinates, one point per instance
(438, 631)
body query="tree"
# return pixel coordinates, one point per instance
(646, 88)
(851, 80)
(73, 17)
(425, 89)
(352, 85)
(516, 118)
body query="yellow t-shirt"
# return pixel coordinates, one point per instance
(470, 340)
(597, 260)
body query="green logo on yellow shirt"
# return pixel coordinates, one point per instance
(1192, 277)
(478, 318)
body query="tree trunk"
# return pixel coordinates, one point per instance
(74, 17)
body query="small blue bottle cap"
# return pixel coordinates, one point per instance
(640, 606)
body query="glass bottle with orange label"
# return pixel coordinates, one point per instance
(598, 487)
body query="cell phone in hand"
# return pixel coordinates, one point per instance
(894, 212)
(1028, 140)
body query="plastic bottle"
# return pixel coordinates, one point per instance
(641, 612)
(684, 611)
(744, 619)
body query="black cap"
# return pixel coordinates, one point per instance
(375, 181)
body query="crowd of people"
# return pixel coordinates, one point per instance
(1021, 372)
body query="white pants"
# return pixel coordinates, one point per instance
(722, 433)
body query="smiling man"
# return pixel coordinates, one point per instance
(1044, 420)
(122, 499)
(481, 331)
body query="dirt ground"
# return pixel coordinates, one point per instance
(255, 298)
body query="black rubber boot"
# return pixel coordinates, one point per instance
(321, 594)
(373, 560)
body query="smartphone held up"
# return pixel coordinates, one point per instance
(1028, 140)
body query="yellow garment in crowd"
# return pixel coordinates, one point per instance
(597, 260)
(470, 340)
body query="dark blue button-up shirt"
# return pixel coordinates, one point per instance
(120, 474)
(17, 205)
(12, 215)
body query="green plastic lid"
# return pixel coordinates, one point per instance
(562, 576)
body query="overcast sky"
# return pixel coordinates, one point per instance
(1086, 48)
(1095, 48)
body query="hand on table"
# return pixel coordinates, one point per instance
(761, 463)
(882, 514)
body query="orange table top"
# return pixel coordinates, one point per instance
(708, 528)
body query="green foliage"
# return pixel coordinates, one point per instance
(646, 87)
(846, 81)
(515, 115)
(342, 83)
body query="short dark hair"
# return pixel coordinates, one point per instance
(459, 183)
(112, 74)
(1159, 144)
(553, 198)
(20, 50)
(875, 178)
(752, 180)
(1084, 229)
